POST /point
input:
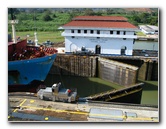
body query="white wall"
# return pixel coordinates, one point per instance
(108, 45)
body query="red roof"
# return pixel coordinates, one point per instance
(103, 18)
(100, 22)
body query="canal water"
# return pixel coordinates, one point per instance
(146, 45)
(89, 86)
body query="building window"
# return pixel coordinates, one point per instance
(91, 31)
(79, 31)
(98, 37)
(72, 37)
(124, 38)
(111, 32)
(85, 31)
(98, 31)
(72, 31)
(118, 32)
(124, 33)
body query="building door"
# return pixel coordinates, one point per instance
(98, 49)
(73, 47)
(123, 50)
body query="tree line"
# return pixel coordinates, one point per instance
(49, 19)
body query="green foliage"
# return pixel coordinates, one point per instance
(140, 33)
(145, 18)
(89, 12)
(51, 19)
(42, 36)
(54, 16)
(47, 17)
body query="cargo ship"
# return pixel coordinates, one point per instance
(27, 63)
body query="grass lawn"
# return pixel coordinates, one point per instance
(42, 36)
(139, 33)
(52, 36)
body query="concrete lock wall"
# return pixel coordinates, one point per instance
(117, 72)
(148, 71)
(75, 65)
(123, 73)
(148, 66)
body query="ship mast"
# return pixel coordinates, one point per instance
(13, 22)
(36, 40)
(35, 33)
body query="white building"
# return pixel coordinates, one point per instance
(101, 34)
(149, 29)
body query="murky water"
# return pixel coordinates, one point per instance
(89, 86)
(85, 86)
(146, 45)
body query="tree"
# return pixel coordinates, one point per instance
(89, 12)
(54, 16)
(136, 18)
(154, 21)
(47, 17)
(144, 17)
(99, 13)
(110, 11)
(47, 11)
(13, 12)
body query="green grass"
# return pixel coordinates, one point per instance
(54, 36)
(140, 33)
(42, 36)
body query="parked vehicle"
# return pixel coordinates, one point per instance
(57, 93)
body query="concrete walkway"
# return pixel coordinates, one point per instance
(83, 111)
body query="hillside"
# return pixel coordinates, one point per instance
(149, 10)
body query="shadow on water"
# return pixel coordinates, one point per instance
(85, 86)
(150, 85)
(150, 92)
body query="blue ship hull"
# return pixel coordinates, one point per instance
(25, 71)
